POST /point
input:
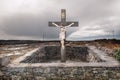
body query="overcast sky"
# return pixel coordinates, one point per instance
(28, 19)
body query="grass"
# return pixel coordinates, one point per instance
(117, 55)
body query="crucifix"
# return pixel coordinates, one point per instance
(62, 25)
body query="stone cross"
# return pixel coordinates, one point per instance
(62, 25)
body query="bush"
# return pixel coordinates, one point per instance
(118, 55)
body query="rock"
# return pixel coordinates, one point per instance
(118, 75)
(47, 70)
(95, 72)
(40, 78)
(4, 61)
(16, 77)
(1, 74)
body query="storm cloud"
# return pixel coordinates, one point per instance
(28, 19)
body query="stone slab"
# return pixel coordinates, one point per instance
(4, 60)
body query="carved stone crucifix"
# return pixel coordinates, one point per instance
(62, 25)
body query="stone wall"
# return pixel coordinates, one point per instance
(63, 73)
(75, 53)
(52, 54)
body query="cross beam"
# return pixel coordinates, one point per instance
(63, 21)
(63, 24)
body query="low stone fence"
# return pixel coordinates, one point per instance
(52, 54)
(108, 70)
(63, 73)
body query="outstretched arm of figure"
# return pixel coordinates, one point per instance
(55, 24)
(70, 25)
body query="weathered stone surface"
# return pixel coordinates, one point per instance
(52, 54)
(4, 61)
(63, 71)
(66, 73)
(1, 74)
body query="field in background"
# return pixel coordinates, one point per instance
(23, 46)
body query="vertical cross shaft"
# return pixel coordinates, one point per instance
(63, 15)
(63, 35)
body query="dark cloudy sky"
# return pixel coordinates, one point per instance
(28, 19)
